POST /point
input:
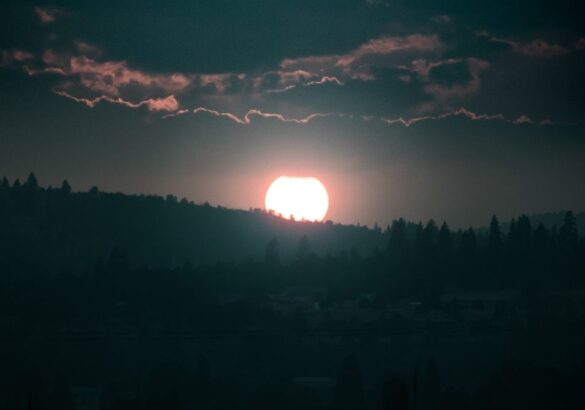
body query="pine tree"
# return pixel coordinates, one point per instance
(65, 187)
(395, 394)
(444, 241)
(272, 255)
(495, 237)
(349, 390)
(31, 182)
(398, 248)
(568, 235)
(468, 243)
(304, 251)
(5, 185)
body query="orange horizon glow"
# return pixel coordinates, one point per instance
(299, 198)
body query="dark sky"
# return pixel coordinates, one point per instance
(452, 110)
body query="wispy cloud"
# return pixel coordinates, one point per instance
(10, 57)
(87, 48)
(112, 81)
(441, 18)
(444, 92)
(290, 80)
(460, 90)
(534, 48)
(167, 104)
(360, 62)
(467, 114)
(464, 113)
(48, 15)
(248, 117)
(110, 76)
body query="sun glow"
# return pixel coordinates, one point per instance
(301, 198)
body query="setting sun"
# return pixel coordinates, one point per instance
(301, 198)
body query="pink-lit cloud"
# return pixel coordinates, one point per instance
(250, 114)
(48, 15)
(535, 48)
(110, 76)
(406, 122)
(443, 92)
(87, 49)
(358, 63)
(32, 71)
(523, 119)
(460, 90)
(467, 114)
(167, 104)
(299, 78)
(220, 82)
(10, 57)
(441, 18)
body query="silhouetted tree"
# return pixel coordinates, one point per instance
(495, 238)
(5, 185)
(349, 390)
(419, 241)
(169, 387)
(430, 389)
(568, 235)
(203, 384)
(272, 254)
(65, 187)
(118, 260)
(445, 241)
(395, 394)
(541, 241)
(304, 252)
(523, 234)
(398, 248)
(31, 182)
(455, 399)
(468, 244)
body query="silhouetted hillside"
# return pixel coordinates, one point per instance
(45, 231)
(57, 229)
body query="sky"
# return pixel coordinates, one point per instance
(451, 110)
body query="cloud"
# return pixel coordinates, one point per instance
(46, 70)
(247, 118)
(535, 48)
(580, 44)
(389, 45)
(48, 15)
(540, 48)
(86, 48)
(360, 62)
(167, 104)
(443, 91)
(110, 76)
(10, 57)
(406, 122)
(110, 80)
(286, 81)
(523, 119)
(441, 18)
(470, 115)
(460, 90)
